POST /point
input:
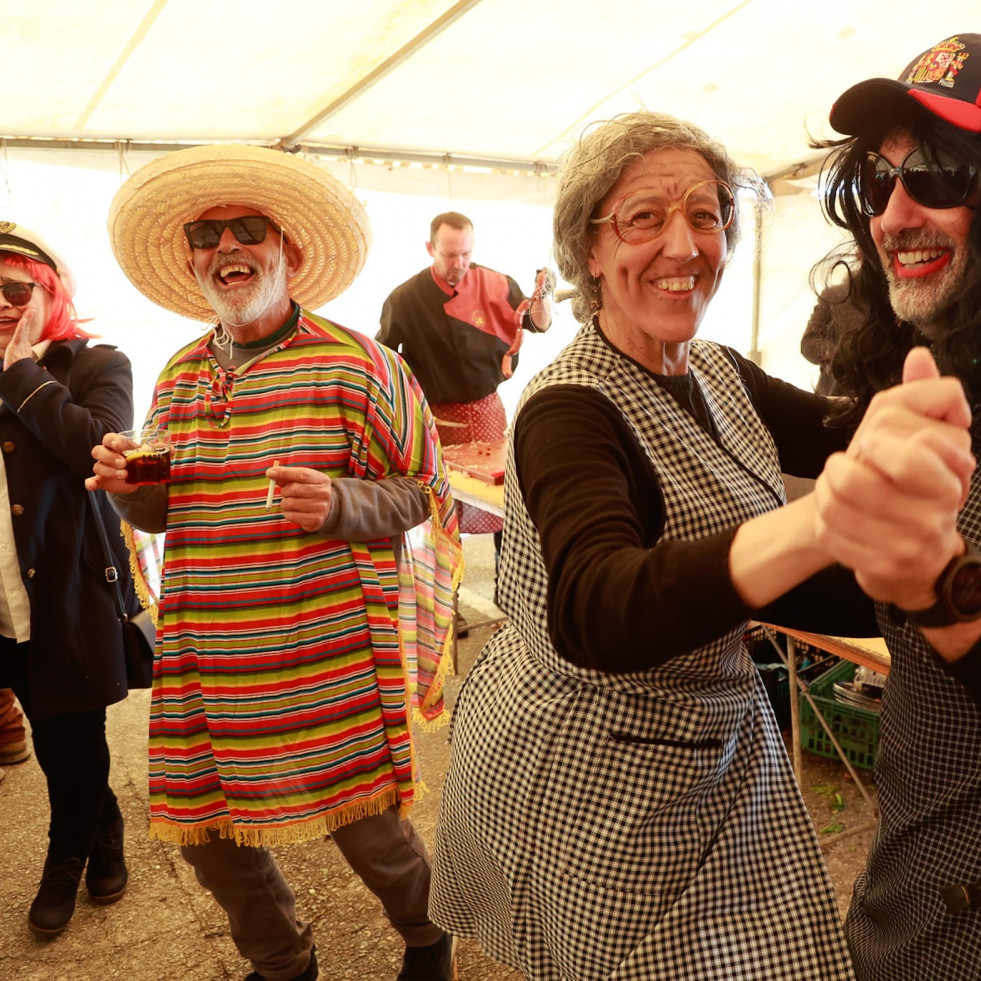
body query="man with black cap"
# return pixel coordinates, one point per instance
(906, 185)
(301, 632)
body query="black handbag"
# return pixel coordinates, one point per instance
(139, 630)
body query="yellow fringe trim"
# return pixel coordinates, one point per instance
(430, 725)
(437, 521)
(312, 829)
(139, 580)
(446, 655)
(163, 829)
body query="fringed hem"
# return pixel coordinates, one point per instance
(139, 578)
(444, 666)
(419, 791)
(431, 725)
(169, 831)
(456, 576)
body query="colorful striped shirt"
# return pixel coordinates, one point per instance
(289, 664)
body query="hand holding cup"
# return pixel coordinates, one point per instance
(147, 455)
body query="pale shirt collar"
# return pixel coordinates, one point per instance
(15, 606)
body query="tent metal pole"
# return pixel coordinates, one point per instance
(754, 339)
(406, 51)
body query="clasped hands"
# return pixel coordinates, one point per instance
(887, 507)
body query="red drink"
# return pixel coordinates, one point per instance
(147, 464)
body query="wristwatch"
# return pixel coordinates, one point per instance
(958, 590)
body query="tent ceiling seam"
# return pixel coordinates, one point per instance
(117, 67)
(379, 72)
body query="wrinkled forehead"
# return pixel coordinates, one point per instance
(666, 172)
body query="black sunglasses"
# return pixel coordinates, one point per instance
(206, 233)
(935, 182)
(18, 294)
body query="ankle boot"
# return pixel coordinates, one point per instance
(55, 900)
(106, 875)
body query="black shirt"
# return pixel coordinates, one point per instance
(584, 478)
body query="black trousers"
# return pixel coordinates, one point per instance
(74, 757)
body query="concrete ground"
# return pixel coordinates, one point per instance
(166, 928)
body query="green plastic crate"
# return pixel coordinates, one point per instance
(855, 728)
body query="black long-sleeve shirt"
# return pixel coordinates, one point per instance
(596, 502)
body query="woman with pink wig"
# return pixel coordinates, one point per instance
(58, 396)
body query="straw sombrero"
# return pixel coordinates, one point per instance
(317, 213)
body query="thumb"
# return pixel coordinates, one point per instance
(919, 365)
(952, 408)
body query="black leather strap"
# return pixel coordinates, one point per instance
(112, 573)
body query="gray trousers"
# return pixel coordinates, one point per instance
(386, 853)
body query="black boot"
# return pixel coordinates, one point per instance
(437, 962)
(55, 900)
(106, 875)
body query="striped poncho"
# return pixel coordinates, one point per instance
(289, 665)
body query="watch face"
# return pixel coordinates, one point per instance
(965, 590)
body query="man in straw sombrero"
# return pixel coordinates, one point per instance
(300, 631)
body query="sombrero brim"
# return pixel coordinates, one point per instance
(316, 212)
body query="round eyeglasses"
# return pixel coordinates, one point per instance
(18, 294)
(641, 216)
(934, 180)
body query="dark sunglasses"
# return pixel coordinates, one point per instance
(207, 232)
(18, 294)
(935, 182)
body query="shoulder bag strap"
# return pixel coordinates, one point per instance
(112, 573)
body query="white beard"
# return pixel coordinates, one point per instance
(243, 306)
(925, 303)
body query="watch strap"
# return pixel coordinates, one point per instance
(943, 613)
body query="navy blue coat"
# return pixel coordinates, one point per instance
(51, 415)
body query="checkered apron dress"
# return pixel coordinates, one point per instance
(928, 778)
(640, 826)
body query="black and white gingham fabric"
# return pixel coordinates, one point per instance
(643, 826)
(928, 777)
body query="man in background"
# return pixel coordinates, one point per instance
(459, 326)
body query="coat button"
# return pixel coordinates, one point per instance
(17, 510)
(8, 446)
(31, 573)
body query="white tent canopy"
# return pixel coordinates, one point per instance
(502, 82)
(465, 105)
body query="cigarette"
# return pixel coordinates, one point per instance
(272, 488)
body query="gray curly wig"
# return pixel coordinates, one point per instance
(595, 164)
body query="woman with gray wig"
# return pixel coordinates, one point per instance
(596, 166)
(619, 803)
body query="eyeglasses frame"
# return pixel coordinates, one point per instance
(677, 205)
(20, 306)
